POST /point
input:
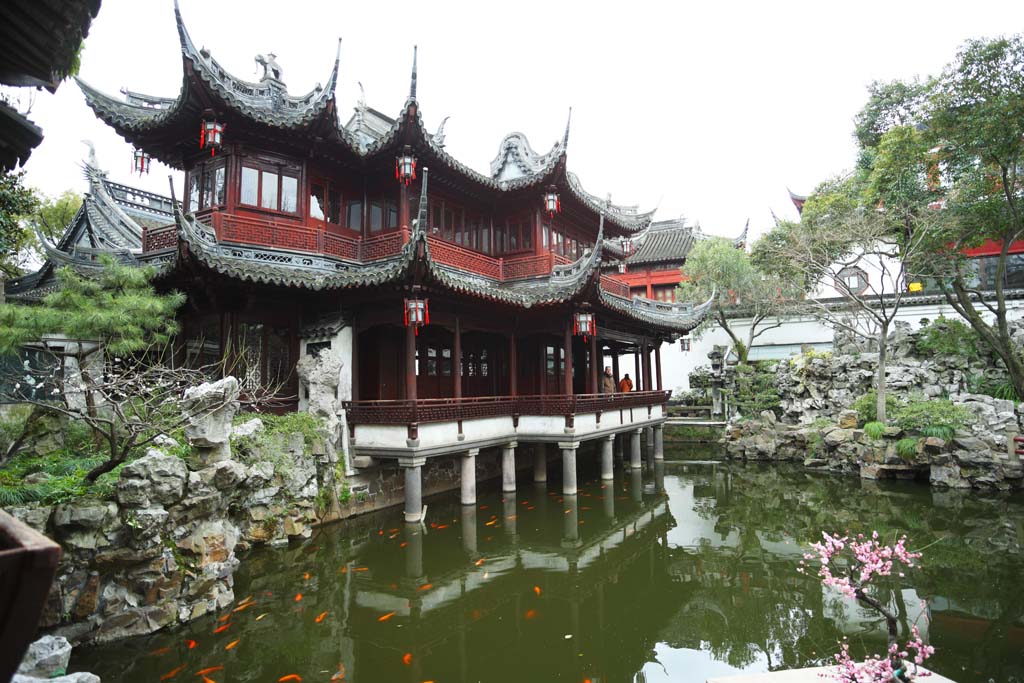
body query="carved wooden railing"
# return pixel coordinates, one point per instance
(160, 238)
(615, 286)
(451, 409)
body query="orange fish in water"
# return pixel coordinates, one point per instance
(320, 617)
(232, 644)
(479, 562)
(298, 597)
(380, 532)
(341, 672)
(536, 589)
(433, 525)
(209, 670)
(486, 574)
(392, 537)
(425, 587)
(305, 576)
(491, 523)
(390, 531)
(159, 651)
(362, 569)
(172, 673)
(191, 644)
(567, 511)
(385, 617)
(442, 526)
(207, 679)
(531, 508)
(289, 677)
(407, 658)
(483, 507)
(242, 608)
(221, 629)
(344, 570)
(403, 544)
(224, 618)
(530, 614)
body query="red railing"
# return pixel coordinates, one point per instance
(464, 259)
(527, 266)
(162, 237)
(615, 286)
(451, 409)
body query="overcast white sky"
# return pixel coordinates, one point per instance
(713, 108)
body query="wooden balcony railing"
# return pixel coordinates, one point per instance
(452, 409)
(253, 231)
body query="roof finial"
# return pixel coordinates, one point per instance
(565, 138)
(412, 82)
(439, 135)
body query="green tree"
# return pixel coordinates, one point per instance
(956, 142)
(744, 295)
(16, 202)
(51, 218)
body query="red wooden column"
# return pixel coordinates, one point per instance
(403, 206)
(647, 366)
(595, 361)
(638, 376)
(410, 363)
(615, 365)
(513, 373)
(542, 385)
(457, 360)
(567, 374)
(657, 364)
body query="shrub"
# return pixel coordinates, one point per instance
(931, 417)
(907, 448)
(756, 389)
(944, 337)
(866, 406)
(875, 430)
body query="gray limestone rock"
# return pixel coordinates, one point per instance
(77, 677)
(212, 407)
(162, 477)
(46, 657)
(248, 428)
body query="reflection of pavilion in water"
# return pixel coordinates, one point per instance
(577, 572)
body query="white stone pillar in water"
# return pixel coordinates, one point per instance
(540, 462)
(659, 442)
(568, 468)
(413, 488)
(607, 444)
(634, 450)
(469, 529)
(468, 477)
(508, 467)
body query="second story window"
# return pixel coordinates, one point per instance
(206, 185)
(271, 188)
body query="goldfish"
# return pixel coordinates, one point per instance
(536, 589)
(380, 532)
(530, 614)
(298, 597)
(362, 569)
(261, 616)
(224, 618)
(483, 507)
(344, 570)
(305, 576)
(385, 617)
(407, 658)
(247, 598)
(172, 673)
(425, 587)
(479, 562)
(289, 677)
(442, 526)
(392, 537)
(191, 644)
(567, 511)
(530, 507)
(207, 679)
(403, 544)
(320, 617)
(341, 672)
(243, 607)
(221, 629)
(491, 523)
(232, 644)
(486, 574)
(209, 670)
(159, 651)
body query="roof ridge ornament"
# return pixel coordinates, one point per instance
(439, 135)
(412, 80)
(565, 138)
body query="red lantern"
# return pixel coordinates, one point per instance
(405, 167)
(211, 134)
(417, 313)
(552, 203)
(584, 324)
(141, 161)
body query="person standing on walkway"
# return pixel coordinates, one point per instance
(626, 384)
(607, 381)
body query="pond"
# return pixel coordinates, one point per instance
(678, 574)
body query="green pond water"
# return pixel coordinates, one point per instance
(678, 574)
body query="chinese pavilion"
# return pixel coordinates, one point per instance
(469, 311)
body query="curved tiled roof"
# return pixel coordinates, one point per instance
(663, 241)
(676, 317)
